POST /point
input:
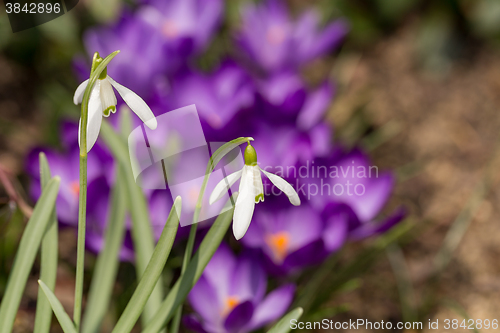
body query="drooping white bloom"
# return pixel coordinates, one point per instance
(102, 102)
(250, 192)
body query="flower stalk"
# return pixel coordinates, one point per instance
(212, 163)
(98, 66)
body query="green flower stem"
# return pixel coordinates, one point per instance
(212, 163)
(106, 267)
(186, 281)
(80, 252)
(82, 205)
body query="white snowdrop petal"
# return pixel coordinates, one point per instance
(257, 184)
(108, 98)
(224, 185)
(136, 104)
(284, 186)
(94, 119)
(78, 97)
(245, 204)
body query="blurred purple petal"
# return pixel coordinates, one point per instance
(249, 280)
(272, 307)
(372, 228)
(204, 299)
(219, 271)
(239, 317)
(192, 322)
(315, 106)
(273, 41)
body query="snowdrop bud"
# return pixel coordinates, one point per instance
(250, 155)
(96, 61)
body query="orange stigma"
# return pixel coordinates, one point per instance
(74, 186)
(279, 243)
(230, 303)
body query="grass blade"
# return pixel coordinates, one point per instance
(186, 281)
(403, 281)
(153, 271)
(106, 268)
(61, 315)
(49, 252)
(315, 283)
(142, 234)
(25, 256)
(360, 264)
(283, 325)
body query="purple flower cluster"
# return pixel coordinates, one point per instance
(256, 92)
(230, 295)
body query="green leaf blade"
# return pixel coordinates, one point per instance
(25, 256)
(49, 254)
(152, 273)
(61, 315)
(142, 233)
(283, 325)
(193, 272)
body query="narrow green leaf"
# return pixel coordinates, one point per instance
(49, 252)
(283, 325)
(403, 281)
(61, 315)
(142, 233)
(106, 268)
(456, 307)
(25, 256)
(152, 273)
(315, 283)
(186, 281)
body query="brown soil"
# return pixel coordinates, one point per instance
(446, 129)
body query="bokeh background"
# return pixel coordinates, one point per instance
(417, 85)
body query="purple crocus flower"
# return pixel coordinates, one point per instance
(350, 192)
(230, 296)
(219, 98)
(288, 238)
(186, 26)
(97, 223)
(66, 166)
(273, 41)
(290, 147)
(284, 97)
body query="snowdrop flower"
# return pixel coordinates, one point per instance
(102, 102)
(251, 191)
